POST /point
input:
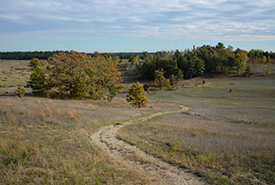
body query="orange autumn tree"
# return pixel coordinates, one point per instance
(136, 96)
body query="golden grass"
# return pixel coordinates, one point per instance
(220, 152)
(45, 141)
(225, 137)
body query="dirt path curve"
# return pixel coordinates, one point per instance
(135, 159)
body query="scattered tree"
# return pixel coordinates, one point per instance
(37, 79)
(160, 81)
(20, 91)
(268, 72)
(136, 96)
(248, 71)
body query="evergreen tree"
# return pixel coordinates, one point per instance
(160, 81)
(20, 91)
(37, 81)
(136, 96)
(248, 71)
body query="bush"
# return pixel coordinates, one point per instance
(136, 96)
(20, 91)
(146, 87)
(268, 72)
(160, 81)
(37, 81)
(248, 71)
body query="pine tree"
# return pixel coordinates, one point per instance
(136, 96)
(248, 71)
(20, 91)
(160, 81)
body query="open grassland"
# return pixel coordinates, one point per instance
(46, 141)
(14, 72)
(226, 136)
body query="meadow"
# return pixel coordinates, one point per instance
(47, 141)
(226, 136)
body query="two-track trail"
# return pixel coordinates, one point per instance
(164, 173)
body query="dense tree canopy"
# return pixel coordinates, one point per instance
(201, 60)
(77, 75)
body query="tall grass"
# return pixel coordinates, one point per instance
(226, 138)
(220, 152)
(44, 141)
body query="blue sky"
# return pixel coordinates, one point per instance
(135, 25)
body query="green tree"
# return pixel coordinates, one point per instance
(20, 91)
(136, 96)
(170, 67)
(148, 70)
(78, 75)
(145, 56)
(239, 63)
(268, 60)
(264, 59)
(199, 67)
(37, 81)
(248, 71)
(131, 59)
(160, 81)
(34, 63)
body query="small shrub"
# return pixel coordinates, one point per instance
(20, 91)
(203, 82)
(116, 123)
(136, 96)
(146, 87)
(160, 81)
(230, 90)
(268, 72)
(248, 71)
(174, 146)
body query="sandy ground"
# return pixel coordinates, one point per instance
(135, 159)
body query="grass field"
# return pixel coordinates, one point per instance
(46, 141)
(13, 72)
(226, 136)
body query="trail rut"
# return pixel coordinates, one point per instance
(135, 159)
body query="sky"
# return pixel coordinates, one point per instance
(135, 25)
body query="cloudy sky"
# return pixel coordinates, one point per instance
(135, 25)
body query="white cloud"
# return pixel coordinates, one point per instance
(171, 19)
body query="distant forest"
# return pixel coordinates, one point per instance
(44, 55)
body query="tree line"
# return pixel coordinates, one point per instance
(27, 55)
(44, 55)
(195, 62)
(79, 75)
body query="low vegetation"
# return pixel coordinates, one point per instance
(20, 91)
(229, 142)
(226, 136)
(46, 141)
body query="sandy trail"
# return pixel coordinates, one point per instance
(135, 159)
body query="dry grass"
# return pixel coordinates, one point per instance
(13, 73)
(226, 138)
(45, 141)
(220, 151)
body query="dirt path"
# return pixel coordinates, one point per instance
(133, 158)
